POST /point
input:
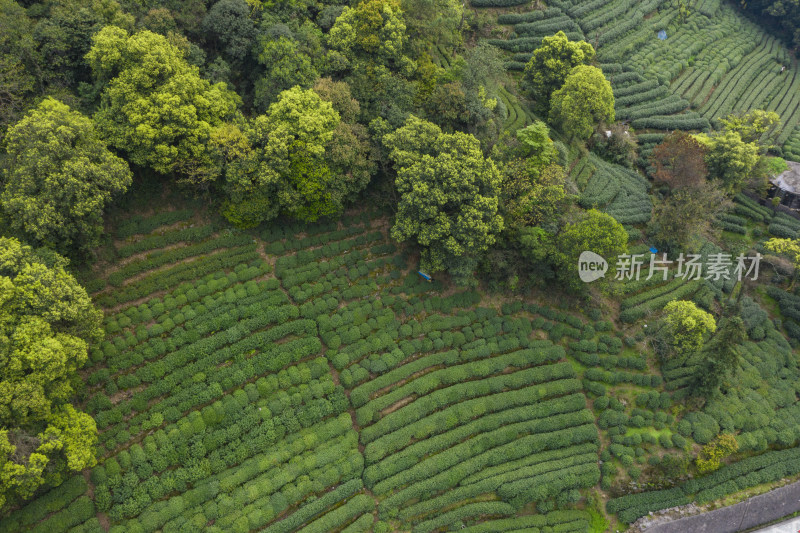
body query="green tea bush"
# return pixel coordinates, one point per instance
(529, 16)
(456, 393)
(79, 511)
(357, 505)
(685, 121)
(521, 415)
(465, 511)
(319, 505)
(140, 224)
(423, 482)
(633, 506)
(52, 501)
(152, 242)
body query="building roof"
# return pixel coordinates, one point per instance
(789, 180)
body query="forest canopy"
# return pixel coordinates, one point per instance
(48, 322)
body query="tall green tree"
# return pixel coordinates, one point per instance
(686, 213)
(159, 20)
(369, 45)
(447, 107)
(372, 34)
(549, 66)
(481, 75)
(595, 232)
(65, 36)
(46, 323)
(448, 196)
(755, 126)
(299, 159)
(721, 356)
(464, 97)
(685, 326)
(784, 14)
(433, 22)
(286, 66)
(789, 248)
(60, 175)
(229, 29)
(42, 52)
(537, 148)
(250, 194)
(338, 93)
(533, 199)
(20, 71)
(155, 106)
(533, 186)
(729, 159)
(584, 101)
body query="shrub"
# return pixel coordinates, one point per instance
(139, 224)
(309, 510)
(629, 508)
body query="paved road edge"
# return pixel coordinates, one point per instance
(742, 516)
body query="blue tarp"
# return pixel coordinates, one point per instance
(662, 35)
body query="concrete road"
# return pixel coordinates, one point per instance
(748, 514)
(789, 526)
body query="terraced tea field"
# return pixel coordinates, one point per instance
(304, 378)
(308, 378)
(713, 63)
(298, 379)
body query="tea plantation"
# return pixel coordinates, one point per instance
(713, 62)
(315, 267)
(304, 378)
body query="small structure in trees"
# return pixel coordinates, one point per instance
(786, 186)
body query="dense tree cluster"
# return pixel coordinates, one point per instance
(154, 105)
(294, 112)
(448, 195)
(699, 173)
(47, 321)
(60, 177)
(551, 64)
(679, 161)
(299, 158)
(583, 101)
(780, 13)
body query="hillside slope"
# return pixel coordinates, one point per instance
(712, 63)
